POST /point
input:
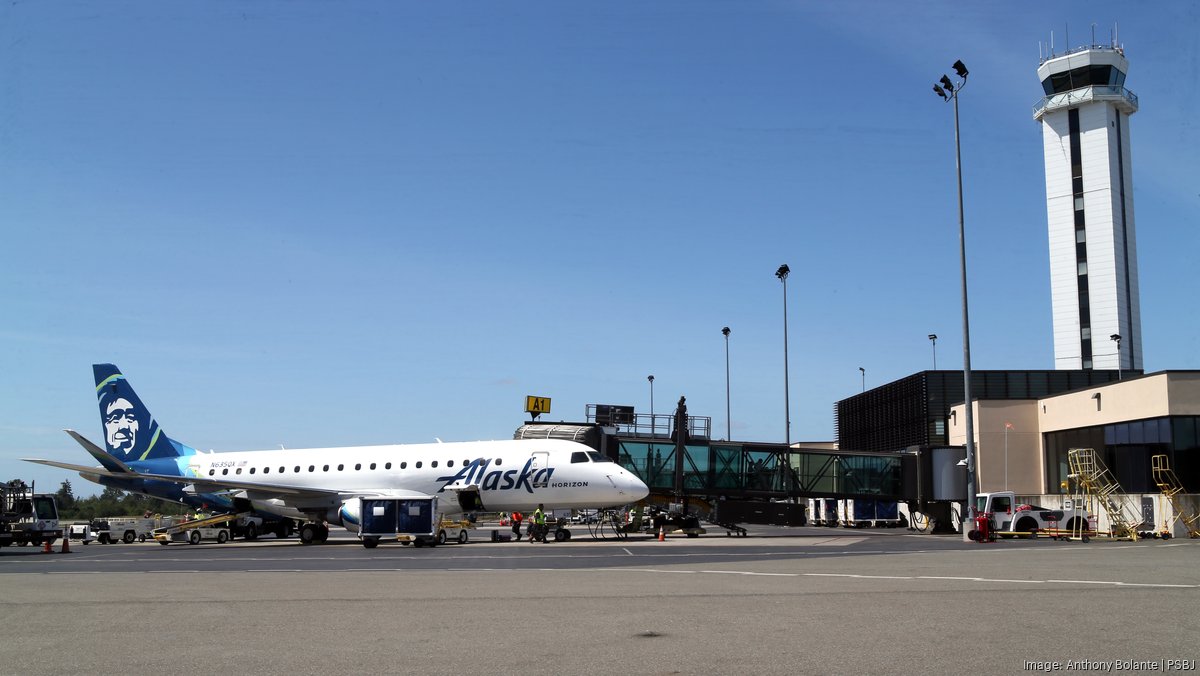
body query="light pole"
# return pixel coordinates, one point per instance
(1007, 427)
(782, 274)
(728, 425)
(949, 91)
(651, 379)
(933, 340)
(1116, 338)
(864, 376)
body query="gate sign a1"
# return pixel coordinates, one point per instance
(536, 406)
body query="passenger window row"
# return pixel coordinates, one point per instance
(341, 468)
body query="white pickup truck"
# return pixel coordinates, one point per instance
(1010, 519)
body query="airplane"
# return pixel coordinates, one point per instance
(324, 486)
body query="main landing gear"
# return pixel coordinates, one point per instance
(313, 533)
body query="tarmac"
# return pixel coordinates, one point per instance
(782, 601)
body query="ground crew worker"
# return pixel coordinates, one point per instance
(516, 525)
(539, 524)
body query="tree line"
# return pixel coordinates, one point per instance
(111, 502)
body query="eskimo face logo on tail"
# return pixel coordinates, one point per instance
(499, 480)
(120, 426)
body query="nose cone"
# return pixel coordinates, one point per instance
(637, 488)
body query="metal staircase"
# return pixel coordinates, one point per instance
(1097, 486)
(1172, 487)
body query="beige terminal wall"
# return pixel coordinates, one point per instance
(1023, 459)
(1139, 398)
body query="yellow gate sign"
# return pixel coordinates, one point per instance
(537, 405)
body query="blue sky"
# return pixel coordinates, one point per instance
(315, 223)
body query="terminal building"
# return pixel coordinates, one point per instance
(1026, 422)
(889, 439)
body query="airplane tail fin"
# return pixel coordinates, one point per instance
(130, 432)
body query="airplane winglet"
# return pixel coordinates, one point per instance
(107, 461)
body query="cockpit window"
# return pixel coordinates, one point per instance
(598, 457)
(579, 456)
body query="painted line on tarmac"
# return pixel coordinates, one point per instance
(861, 577)
(922, 577)
(747, 572)
(1129, 584)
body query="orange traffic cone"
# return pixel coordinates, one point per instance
(661, 535)
(66, 548)
(46, 547)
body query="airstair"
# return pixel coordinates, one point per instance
(1097, 487)
(1172, 488)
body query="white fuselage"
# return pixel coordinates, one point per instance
(508, 475)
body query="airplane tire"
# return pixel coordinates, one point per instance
(308, 533)
(251, 532)
(323, 533)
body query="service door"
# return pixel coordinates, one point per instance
(541, 460)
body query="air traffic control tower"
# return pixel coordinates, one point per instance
(1089, 205)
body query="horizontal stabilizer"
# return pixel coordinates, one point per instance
(109, 462)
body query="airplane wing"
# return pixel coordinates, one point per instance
(298, 496)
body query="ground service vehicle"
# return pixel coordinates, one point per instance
(81, 532)
(250, 527)
(406, 520)
(27, 517)
(1009, 518)
(127, 529)
(453, 531)
(193, 532)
